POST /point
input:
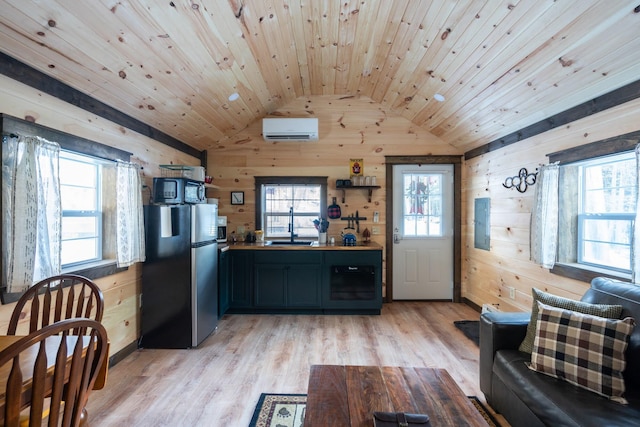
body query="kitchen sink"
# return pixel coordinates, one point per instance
(289, 243)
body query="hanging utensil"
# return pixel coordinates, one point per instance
(357, 222)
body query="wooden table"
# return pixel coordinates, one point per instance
(348, 396)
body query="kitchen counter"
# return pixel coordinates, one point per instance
(259, 278)
(371, 246)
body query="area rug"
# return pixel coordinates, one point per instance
(470, 328)
(279, 410)
(288, 410)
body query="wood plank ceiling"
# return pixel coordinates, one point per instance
(501, 65)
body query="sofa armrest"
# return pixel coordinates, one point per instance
(498, 330)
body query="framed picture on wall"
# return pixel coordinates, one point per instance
(237, 197)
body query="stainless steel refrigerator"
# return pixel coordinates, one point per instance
(180, 275)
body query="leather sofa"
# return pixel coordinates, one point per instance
(527, 398)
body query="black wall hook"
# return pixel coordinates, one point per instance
(521, 181)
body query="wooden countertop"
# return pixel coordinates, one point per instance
(371, 246)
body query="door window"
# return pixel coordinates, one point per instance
(422, 214)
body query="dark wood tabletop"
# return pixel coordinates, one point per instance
(348, 395)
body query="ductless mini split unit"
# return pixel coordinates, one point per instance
(287, 129)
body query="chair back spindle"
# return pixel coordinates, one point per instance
(56, 298)
(63, 373)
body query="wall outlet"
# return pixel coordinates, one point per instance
(240, 229)
(512, 293)
(376, 216)
(375, 230)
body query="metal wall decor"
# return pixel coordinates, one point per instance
(521, 181)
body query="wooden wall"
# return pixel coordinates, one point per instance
(349, 127)
(488, 275)
(121, 291)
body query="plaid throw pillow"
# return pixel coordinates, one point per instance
(587, 351)
(602, 310)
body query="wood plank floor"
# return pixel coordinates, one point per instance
(219, 383)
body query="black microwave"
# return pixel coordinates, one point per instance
(177, 191)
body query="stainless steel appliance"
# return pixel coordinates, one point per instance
(180, 275)
(222, 229)
(170, 191)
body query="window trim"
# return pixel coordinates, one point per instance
(259, 181)
(614, 145)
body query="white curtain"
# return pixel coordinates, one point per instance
(31, 211)
(129, 216)
(635, 250)
(544, 217)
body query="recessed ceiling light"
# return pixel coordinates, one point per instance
(234, 96)
(438, 97)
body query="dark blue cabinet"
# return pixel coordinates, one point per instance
(276, 281)
(223, 283)
(240, 279)
(287, 279)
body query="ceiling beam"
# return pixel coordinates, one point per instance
(29, 76)
(615, 97)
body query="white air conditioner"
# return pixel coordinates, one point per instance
(286, 129)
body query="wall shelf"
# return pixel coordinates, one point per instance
(369, 189)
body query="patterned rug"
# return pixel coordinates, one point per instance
(287, 410)
(279, 410)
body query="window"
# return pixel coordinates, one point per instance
(597, 212)
(281, 197)
(422, 210)
(83, 195)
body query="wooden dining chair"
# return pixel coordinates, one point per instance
(57, 363)
(56, 298)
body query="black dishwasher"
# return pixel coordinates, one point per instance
(352, 283)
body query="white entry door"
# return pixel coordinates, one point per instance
(423, 232)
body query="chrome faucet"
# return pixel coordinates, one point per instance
(293, 235)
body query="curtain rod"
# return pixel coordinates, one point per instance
(103, 159)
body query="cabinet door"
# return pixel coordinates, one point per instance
(303, 285)
(223, 283)
(240, 279)
(270, 285)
